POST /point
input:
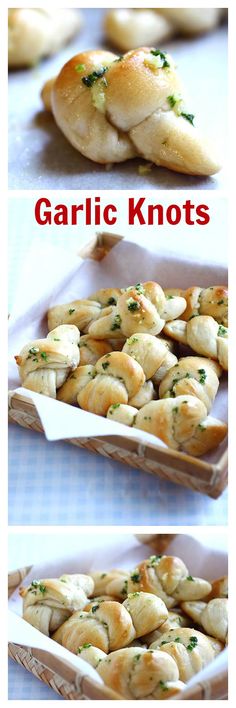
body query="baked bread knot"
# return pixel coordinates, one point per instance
(174, 620)
(112, 582)
(212, 616)
(117, 377)
(192, 375)
(79, 313)
(48, 603)
(35, 33)
(204, 335)
(130, 28)
(113, 108)
(140, 308)
(219, 588)
(211, 301)
(152, 354)
(92, 349)
(168, 578)
(44, 364)
(111, 625)
(190, 649)
(137, 673)
(181, 423)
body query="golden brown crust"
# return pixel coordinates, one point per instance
(168, 578)
(193, 376)
(34, 33)
(190, 649)
(117, 378)
(204, 335)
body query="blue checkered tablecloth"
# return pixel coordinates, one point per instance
(22, 685)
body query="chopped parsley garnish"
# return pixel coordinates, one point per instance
(189, 577)
(163, 685)
(116, 324)
(169, 297)
(140, 289)
(164, 642)
(172, 101)
(56, 339)
(111, 301)
(203, 376)
(133, 594)
(37, 585)
(177, 639)
(115, 405)
(125, 586)
(220, 302)
(135, 577)
(147, 417)
(162, 55)
(132, 340)
(71, 310)
(188, 116)
(84, 646)
(187, 376)
(33, 350)
(222, 331)
(154, 559)
(175, 410)
(105, 364)
(201, 426)
(192, 643)
(103, 575)
(137, 657)
(44, 356)
(95, 607)
(94, 76)
(79, 68)
(132, 304)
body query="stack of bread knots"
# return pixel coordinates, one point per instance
(125, 360)
(111, 625)
(44, 364)
(113, 108)
(35, 33)
(130, 28)
(146, 631)
(48, 603)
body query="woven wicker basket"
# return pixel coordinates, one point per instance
(177, 467)
(64, 681)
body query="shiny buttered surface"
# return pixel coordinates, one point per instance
(146, 631)
(113, 108)
(124, 366)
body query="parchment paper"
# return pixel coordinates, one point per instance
(41, 157)
(70, 279)
(125, 552)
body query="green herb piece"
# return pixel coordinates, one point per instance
(84, 646)
(172, 101)
(115, 405)
(201, 427)
(56, 339)
(103, 575)
(163, 685)
(220, 302)
(79, 68)
(33, 350)
(37, 585)
(133, 594)
(189, 577)
(132, 340)
(37, 361)
(169, 297)
(125, 587)
(222, 331)
(192, 643)
(187, 376)
(147, 417)
(164, 642)
(154, 559)
(196, 315)
(177, 639)
(116, 324)
(135, 577)
(111, 301)
(105, 365)
(162, 55)
(95, 607)
(140, 289)
(132, 304)
(137, 657)
(44, 356)
(188, 116)
(203, 376)
(94, 76)
(175, 410)
(71, 310)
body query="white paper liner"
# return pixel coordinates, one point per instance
(69, 278)
(123, 551)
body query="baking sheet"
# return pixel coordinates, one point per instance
(70, 279)
(39, 154)
(125, 552)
